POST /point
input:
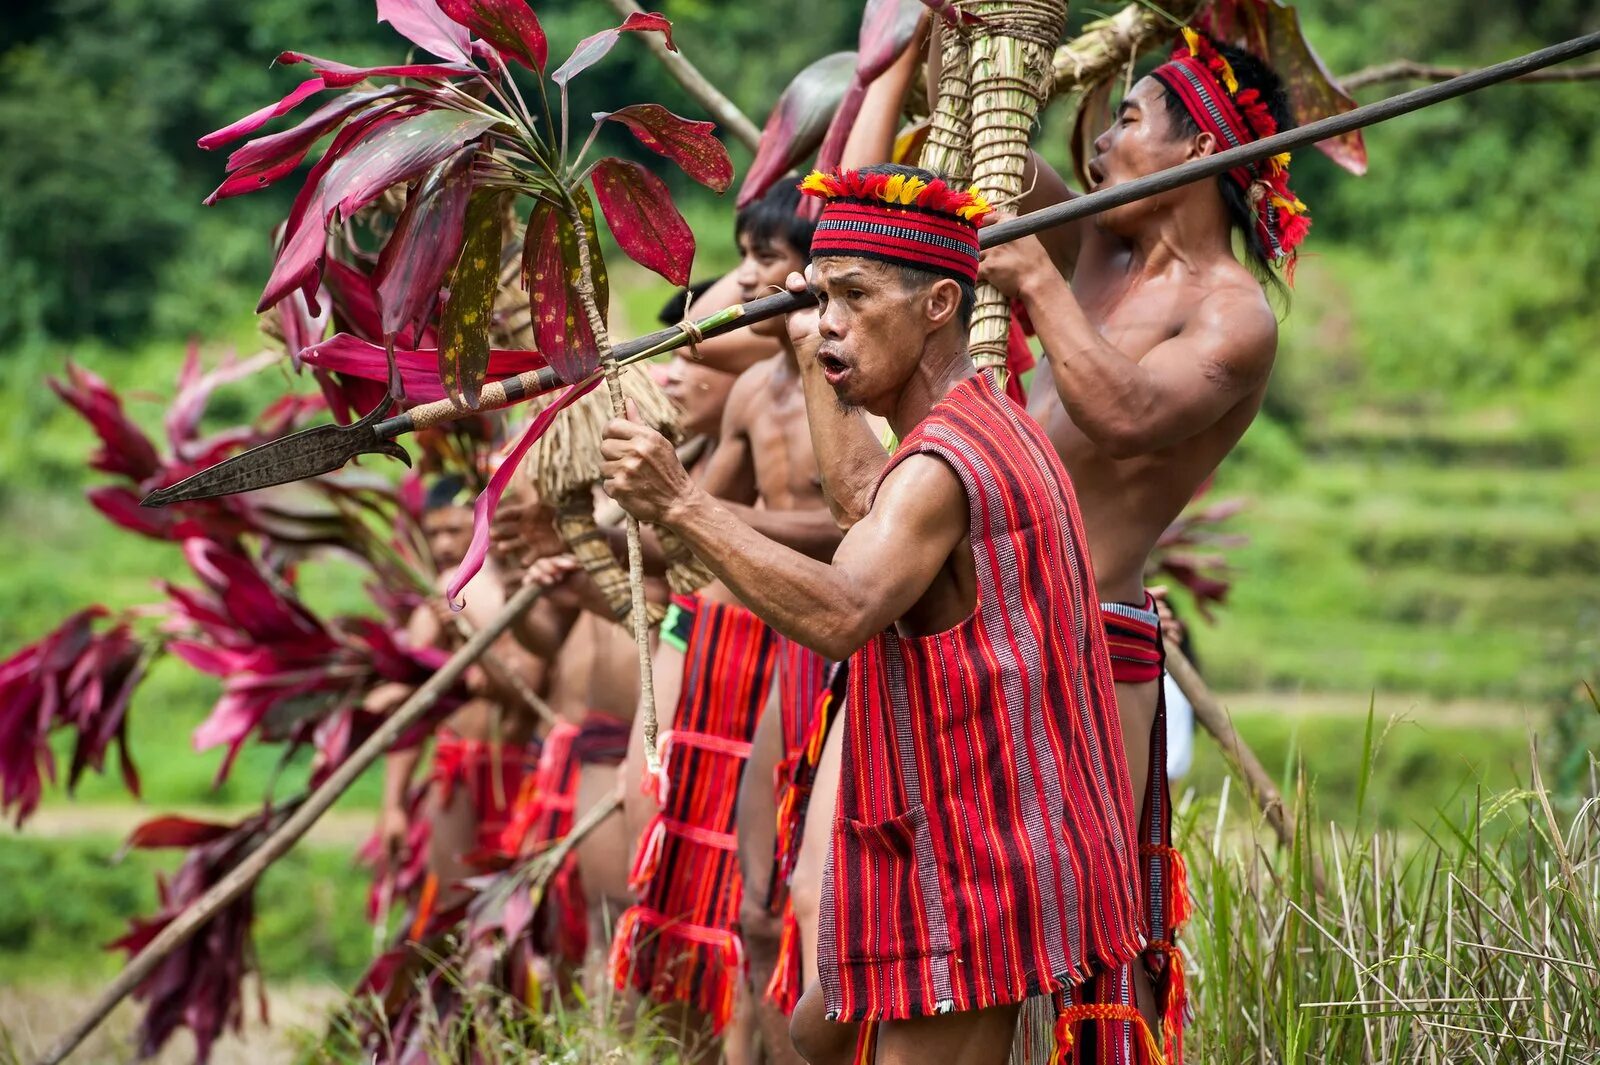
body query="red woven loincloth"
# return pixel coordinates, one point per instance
(544, 813)
(680, 942)
(492, 773)
(1133, 635)
(794, 801)
(985, 848)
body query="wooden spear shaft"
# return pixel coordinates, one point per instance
(242, 876)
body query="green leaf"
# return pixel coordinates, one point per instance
(464, 323)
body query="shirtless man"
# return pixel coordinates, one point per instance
(958, 888)
(486, 747)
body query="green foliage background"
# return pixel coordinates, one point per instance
(1425, 496)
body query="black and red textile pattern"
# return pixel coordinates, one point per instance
(901, 234)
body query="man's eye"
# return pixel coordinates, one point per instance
(855, 294)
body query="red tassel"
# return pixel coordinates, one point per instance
(783, 990)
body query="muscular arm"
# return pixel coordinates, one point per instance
(1043, 187)
(731, 477)
(884, 565)
(849, 457)
(871, 139)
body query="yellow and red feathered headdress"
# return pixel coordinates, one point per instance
(898, 218)
(1203, 80)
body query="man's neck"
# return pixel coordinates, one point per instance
(1187, 236)
(944, 364)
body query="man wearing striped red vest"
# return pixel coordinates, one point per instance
(984, 851)
(1159, 350)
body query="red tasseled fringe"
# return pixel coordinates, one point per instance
(679, 962)
(1146, 1051)
(866, 1044)
(783, 990)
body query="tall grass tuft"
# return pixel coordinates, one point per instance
(1472, 937)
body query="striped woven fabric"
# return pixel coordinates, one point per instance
(542, 815)
(1133, 634)
(493, 775)
(680, 943)
(985, 848)
(802, 684)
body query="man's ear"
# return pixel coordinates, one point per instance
(943, 303)
(1204, 144)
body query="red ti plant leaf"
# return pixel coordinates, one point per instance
(592, 49)
(550, 271)
(1271, 29)
(390, 149)
(419, 368)
(509, 25)
(643, 218)
(798, 122)
(469, 309)
(425, 243)
(691, 145)
(489, 499)
(256, 119)
(262, 161)
(124, 448)
(422, 23)
(339, 75)
(887, 27)
(176, 832)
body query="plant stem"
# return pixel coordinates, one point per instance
(608, 365)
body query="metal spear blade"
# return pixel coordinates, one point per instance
(308, 453)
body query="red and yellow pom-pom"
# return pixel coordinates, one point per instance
(899, 190)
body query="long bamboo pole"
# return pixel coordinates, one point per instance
(239, 879)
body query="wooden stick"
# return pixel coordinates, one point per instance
(1215, 719)
(639, 612)
(1411, 70)
(724, 110)
(241, 877)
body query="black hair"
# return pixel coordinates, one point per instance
(445, 491)
(913, 277)
(1251, 73)
(776, 217)
(673, 311)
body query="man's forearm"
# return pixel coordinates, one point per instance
(811, 532)
(398, 769)
(804, 599)
(1103, 391)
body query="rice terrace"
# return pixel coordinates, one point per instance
(997, 532)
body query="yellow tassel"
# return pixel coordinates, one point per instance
(913, 189)
(817, 181)
(1192, 39)
(1229, 82)
(891, 189)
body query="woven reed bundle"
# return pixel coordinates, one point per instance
(947, 149)
(1010, 76)
(564, 467)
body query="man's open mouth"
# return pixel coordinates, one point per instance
(832, 365)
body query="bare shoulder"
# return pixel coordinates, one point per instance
(921, 489)
(744, 397)
(1238, 330)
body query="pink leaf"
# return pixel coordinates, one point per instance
(260, 162)
(643, 219)
(338, 75)
(419, 370)
(691, 145)
(392, 149)
(124, 447)
(176, 832)
(592, 49)
(425, 242)
(489, 499)
(887, 27)
(509, 25)
(256, 119)
(422, 23)
(798, 122)
(121, 505)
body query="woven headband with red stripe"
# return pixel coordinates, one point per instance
(898, 218)
(1202, 79)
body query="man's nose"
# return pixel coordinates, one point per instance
(830, 323)
(1102, 143)
(746, 272)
